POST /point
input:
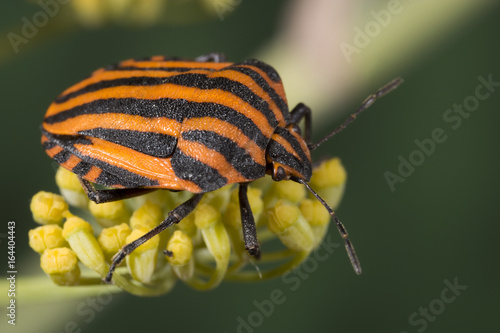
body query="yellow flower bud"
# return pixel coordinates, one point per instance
(159, 198)
(208, 220)
(89, 12)
(182, 262)
(148, 216)
(317, 216)
(46, 237)
(263, 184)
(218, 199)
(285, 190)
(109, 214)
(328, 180)
(286, 221)
(48, 208)
(112, 239)
(232, 216)
(314, 212)
(181, 247)
(61, 264)
(80, 236)
(70, 188)
(142, 261)
(187, 226)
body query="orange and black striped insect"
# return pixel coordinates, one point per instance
(176, 124)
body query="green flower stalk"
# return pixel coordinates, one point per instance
(203, 250)
(209, 221)
(286, 221)
(80, 236)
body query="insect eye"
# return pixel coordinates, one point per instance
(296, 129)
(279, 174)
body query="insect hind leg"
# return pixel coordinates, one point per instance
(175, 216)
(303, 111)
(108, 195)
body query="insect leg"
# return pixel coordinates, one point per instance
(248, 223)
(175, 216)
(211, 57)
(108, 195)
(303, 111)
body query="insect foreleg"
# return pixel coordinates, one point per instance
(248, 223)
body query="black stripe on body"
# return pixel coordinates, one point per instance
(293, 142)
(56, 139)
(270, 71)
(129, 81)
(176, 109)
(110, 176)
(62, 156)
(190, 169)
(234, 155)
(279, 154)
(163, 69)
(280, 103)
(48, 145)
(149, 143)
(284, 157)
(82, 168)
(148, 108)
(199, 81)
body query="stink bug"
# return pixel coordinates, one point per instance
(176, 124)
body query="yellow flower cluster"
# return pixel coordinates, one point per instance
(98, 12)
(205, 248)
(95, 13)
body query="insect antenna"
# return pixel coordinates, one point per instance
(342, 230)
(367, 102)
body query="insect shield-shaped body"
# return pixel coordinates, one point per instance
(168, 123)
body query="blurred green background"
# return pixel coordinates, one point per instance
(439, 225)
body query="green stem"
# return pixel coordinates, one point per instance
(278, 271)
